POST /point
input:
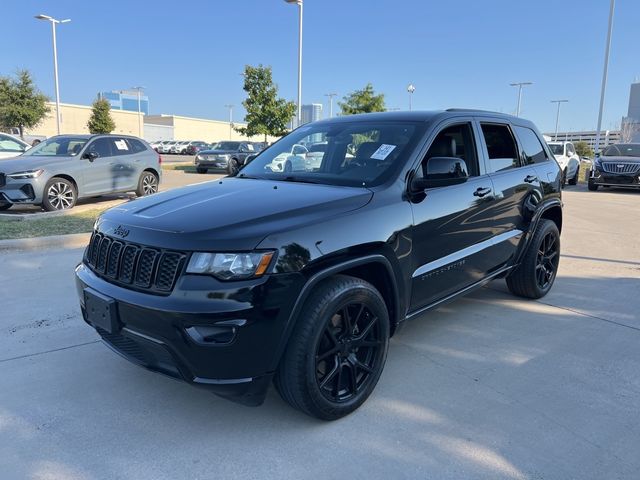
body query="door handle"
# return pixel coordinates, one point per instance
(481, 192)
(530, 178)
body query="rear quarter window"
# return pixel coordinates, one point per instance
(532, 149)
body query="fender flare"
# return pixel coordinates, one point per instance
(543, 207)
(326, 273)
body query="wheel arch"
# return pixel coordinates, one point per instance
(67, 177)
(553, 213)
(373, 268)
(152, 170)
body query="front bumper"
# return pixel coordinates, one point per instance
(211, 162)
(22, 191)
(166, 334)
(607, 179)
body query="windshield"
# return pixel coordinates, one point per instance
(357, 153)
(58, 147)
(556, 148)
(227, 146)
(622, 150)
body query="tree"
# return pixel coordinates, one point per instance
(629, 130)
(100, 120)
(363, 101)
(266, 113)
(22, 105)
(583, 149)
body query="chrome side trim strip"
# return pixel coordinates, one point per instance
(465, 252)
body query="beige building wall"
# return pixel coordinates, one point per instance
(75, 118)
(187, 128)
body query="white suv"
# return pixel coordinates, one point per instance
(11, 146)
(568, 160)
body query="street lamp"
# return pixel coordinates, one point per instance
(605, 72)
(54, 22)
(555, 137)
(299, 3)
(230, 107)
(410, 89)
(139, 90)
(520, 85)
(330, 95)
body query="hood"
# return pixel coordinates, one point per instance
(230, 214)
(28, 162)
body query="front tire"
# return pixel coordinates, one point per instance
(147, 184)
(59, 194)
(592, 186)
(535, 275)
(201, 170)
(337, 350)
(233, 167)
(5, 206)
(574, 180)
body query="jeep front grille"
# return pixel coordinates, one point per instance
(134, 266)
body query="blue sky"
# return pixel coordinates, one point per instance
(458, 54)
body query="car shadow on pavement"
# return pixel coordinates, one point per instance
(489, 386)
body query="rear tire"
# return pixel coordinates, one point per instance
(201, 170)
(59, 194)
(147, 184)
(337, 350)
(535, 275)
(592, 186)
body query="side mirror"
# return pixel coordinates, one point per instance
(441, 172)
(91, 156)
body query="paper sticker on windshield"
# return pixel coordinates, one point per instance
(383, 151)
(121, 145)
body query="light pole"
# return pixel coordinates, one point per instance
(410, 89)
(520, 85)
(330, 95)
(230, 107)
(139, 90)
(605, 72)
(299, 3)
(54, 22)
(555, 137)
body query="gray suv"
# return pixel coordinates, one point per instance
(62, 169)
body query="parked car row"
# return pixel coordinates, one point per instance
(179, 147)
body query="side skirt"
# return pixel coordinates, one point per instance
(459, 293)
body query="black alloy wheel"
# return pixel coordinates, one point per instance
(348, 352)
(336, 353)
(547, 260)
(534, 276)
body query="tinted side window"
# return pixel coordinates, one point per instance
(500, 147)
(455, 141)
(101, 146)
(532, 149)
(136, 146)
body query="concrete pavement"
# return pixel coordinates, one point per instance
(489, 386)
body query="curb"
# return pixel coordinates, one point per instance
(74, 240)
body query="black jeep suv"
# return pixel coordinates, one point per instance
(305, 283)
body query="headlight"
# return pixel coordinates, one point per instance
(230, 266)
(26, 174)
(199, 157)
(224, 156)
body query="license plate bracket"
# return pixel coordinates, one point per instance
(102, 311)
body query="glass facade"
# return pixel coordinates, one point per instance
(126, 101)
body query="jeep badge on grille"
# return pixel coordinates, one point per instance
(121, 231)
